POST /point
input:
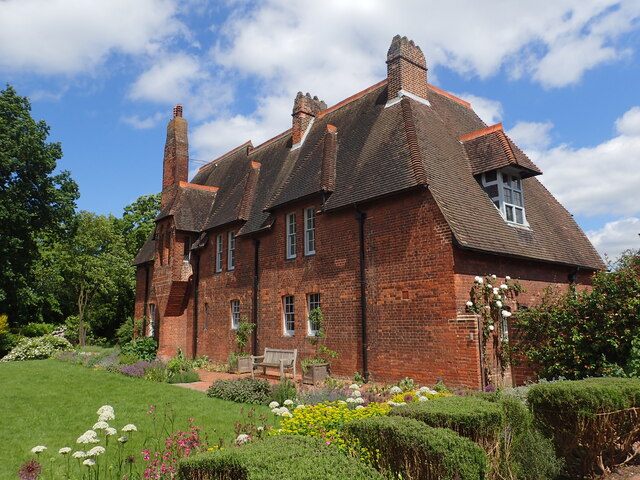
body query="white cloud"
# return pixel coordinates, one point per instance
(596, 180)
(72, 36)
(532, 136)
(168, 80)
(629, 123)
(143, 123)
(616, 237)
(490, 111)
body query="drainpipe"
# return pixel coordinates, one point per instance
(196, 291)
(256, 285)
(480, 335)
(145, 308)
(361, 217)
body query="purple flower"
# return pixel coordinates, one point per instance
(137, 369)
(30, 470)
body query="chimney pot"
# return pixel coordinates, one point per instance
(177, 111)
(305, 108)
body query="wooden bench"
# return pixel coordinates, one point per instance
(276, 358)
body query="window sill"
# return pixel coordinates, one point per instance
(518, 225)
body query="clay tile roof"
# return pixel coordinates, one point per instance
(490, 148)
(189, 206)
(146, 253)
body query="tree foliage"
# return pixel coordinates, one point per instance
(35, 205)
(585, 333)
(136, 223)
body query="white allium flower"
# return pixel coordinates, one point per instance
(493, 276)
(275, 411)
(273, 405)
(469, 303)
(359, 400)
(260, 428)
(354, 386)
(106, 413)
(95, 451)
(242, 439)
(496, 291)
(503, 286)
(492, 328)
(38, 449)
(507, 278)
(89, 462)
(356, 393)
(110, 431)
(498, 297)
(341, 402)
(79, 454)
(64, 450)
(123, 439)
(288, 402)
(283, 412)
(498, 304)
(358, 407)
(505, 313)
(351, 400)
(489, 285)
(478, 280)
(101, 425)
(423, 399)
(395, 390)
(129, 427)
(299, 407)
(88, 437)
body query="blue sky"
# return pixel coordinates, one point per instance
(562, 76)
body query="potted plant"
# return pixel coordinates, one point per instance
(316, 368)
(241, 362)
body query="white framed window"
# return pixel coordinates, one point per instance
(291, 235)
(235, 314)
(219, 253)
(288, 309)
(186, 255)
(313, 302)
(231, 252)
(309, 231)
(206, 316)
(505, 191)
(152, 319)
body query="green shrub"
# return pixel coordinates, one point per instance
(284, 457)
(285, 390)
(179, 363)
(474, 418)
(409, 449)
(157, 373)
(37, 329)
(124, 333)
(243, 390)
(593, 422)
(144, 348)
(128, 359)
(37, 348)
(185, 376)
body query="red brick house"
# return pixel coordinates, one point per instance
(381, 210)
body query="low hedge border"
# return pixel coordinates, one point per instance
(409, 449)
(242, 390)
(285, 457)
(593, 422)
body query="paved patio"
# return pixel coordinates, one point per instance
(207, 378)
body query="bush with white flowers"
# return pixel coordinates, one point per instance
(37, 348)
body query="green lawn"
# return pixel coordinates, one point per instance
(51, 403)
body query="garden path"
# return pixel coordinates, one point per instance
(207, 378)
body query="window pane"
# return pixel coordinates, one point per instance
(517, 198)
(505, 179)
(235, 313)
(219, 253)
(313, 302)
(291, 235)
(507, 195)
(491, 176)
(231, 258)
(509, 212)
(309, 231)
(519, 216)
(516, 183)
(289, 315)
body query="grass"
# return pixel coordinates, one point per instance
(51, 403)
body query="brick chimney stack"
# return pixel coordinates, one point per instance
(176, 153)
(305, 109)
(406, 69)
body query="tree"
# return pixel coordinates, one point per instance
(35, 205)
(92, 262)
(590, 332)
(136, 223)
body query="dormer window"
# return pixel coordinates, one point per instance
(504, 188)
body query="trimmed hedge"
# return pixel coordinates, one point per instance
(593, 422)
(243, 390)
(409, 449)
(285, 457)
(473, 418)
